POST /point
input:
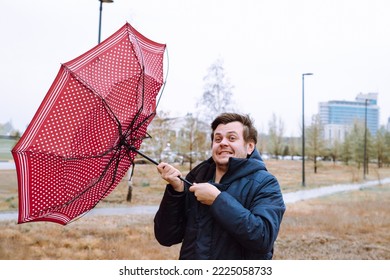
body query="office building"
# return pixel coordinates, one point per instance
(338, 117)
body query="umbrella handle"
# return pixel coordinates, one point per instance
(156, 163)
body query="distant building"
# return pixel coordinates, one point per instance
(338, 117)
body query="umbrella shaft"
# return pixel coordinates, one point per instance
(145, 156)
(156, 163)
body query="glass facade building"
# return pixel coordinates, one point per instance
(337, 117)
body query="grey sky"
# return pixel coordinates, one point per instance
(266, 46)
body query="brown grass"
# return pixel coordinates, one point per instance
(353, 225)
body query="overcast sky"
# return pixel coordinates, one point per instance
(265, 45)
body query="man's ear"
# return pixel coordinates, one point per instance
(250, 148)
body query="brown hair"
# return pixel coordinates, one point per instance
(250, 132)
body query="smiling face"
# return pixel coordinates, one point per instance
(229, 142)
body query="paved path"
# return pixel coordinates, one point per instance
(7, 165)
(288, 198)
(323, 191)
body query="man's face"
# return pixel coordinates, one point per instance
(229, 142)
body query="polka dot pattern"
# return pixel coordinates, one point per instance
(77, 147)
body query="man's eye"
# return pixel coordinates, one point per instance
(232, 138)
(217, 140)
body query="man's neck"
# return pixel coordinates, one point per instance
(219, 172)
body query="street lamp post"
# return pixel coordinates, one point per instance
(100, 15)
(303, 127)
(365, 160)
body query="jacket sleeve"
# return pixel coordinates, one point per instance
(257, 227)
(169, 221)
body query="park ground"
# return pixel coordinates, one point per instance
(349, 225)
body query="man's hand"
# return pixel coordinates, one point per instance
(171, 175)
(205, 193)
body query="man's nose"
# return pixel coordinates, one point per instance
(224, 141)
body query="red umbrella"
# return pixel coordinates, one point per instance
(85, 134)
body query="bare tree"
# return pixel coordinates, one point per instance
(293, 144)
(335, 150)
(218, 92)
(275, 132)
(355, 140)
(382, 149)
(315, 143)
(193, 143)
(346, 149)
(386, 159)
(161, 135)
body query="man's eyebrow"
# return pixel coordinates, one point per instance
(228, 132)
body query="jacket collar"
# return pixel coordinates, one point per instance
(240, 167)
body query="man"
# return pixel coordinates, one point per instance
(234, 208)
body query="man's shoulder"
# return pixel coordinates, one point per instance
(262, 176)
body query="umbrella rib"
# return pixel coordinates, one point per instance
(141, 63)
(86, 84)
(118, 159)
(99, 179)
(166, 78)
(105, 105)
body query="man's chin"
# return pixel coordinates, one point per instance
(223, 160)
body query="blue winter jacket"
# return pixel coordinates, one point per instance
(242, 223)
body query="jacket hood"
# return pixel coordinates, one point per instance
(241, 167)
(238, 168)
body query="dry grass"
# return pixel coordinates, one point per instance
(90, 238)
(353, 225)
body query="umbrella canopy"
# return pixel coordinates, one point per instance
(81, 141)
